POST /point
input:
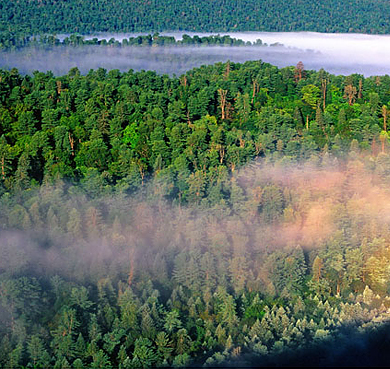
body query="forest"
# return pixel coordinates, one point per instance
(141, 40)
(235, 215)
(22, 19)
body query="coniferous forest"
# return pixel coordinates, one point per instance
(236, 214)
(24, 18)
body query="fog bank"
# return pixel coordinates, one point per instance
(273, 207)
(337, 53)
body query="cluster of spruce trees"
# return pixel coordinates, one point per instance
(292, 260)
(131, 237)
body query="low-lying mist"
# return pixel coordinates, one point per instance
(337, 53)
(63, 230)
(287, 263)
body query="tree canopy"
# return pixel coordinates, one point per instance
(238, 212)
(24, 18)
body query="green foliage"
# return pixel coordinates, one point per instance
(172, 321)
(144, 355)
(130, 135)
(120, 129)
(216, 254)
(20, 20)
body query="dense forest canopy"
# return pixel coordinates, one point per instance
(19, 19)
(122, 128)
(237, 213)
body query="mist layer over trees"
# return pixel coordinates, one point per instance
(293, 258)
(237, 214)
(170, 53)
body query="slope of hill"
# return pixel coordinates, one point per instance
(84, 16)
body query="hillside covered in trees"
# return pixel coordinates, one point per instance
(120, 129)
(236, 214)
(24, 18)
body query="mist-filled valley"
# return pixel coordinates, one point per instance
(337, 53)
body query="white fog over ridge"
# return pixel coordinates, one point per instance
(336, 53)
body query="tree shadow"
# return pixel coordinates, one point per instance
(351, 347)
